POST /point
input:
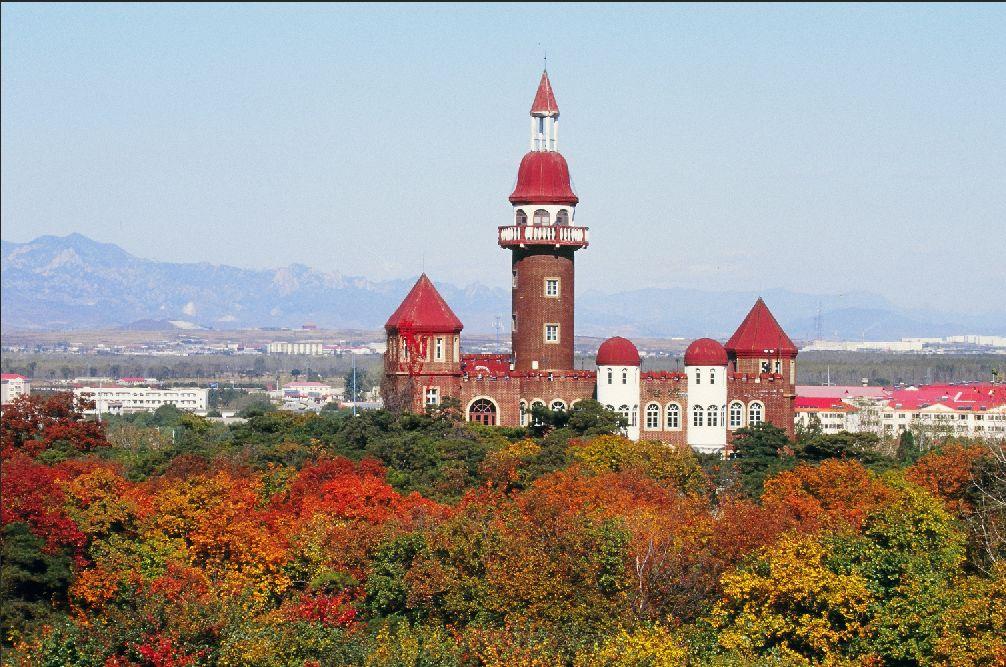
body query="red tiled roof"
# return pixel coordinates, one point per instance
(544, 100)
(487, 364)
(813, 402)
(12, 376)
(705, 352)
(982, 396)
(617, 351)
(759, 334)
(424, 311)
(543, 178)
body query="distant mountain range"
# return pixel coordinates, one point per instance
(73, 282)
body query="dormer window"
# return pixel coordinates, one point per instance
(562, 218)
(541, 217)
(521, 217)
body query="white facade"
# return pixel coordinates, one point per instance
(707, 408)
(940, 420)
(12, 386)
(317, 391)
(124, 400)
(308, 347)
(618, 390)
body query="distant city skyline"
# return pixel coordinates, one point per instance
(817, 148)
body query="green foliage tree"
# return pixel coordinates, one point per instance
(762, 450)
(33, 582)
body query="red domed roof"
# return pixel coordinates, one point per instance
(543, 178)
(617, 351)
(705, 352)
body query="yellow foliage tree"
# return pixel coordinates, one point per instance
(789, 603)
(653, 646)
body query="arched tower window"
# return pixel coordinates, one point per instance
(698, 376)
(482, 411)
(673, 416)
(541, 217)
(625, 376)
(755, 413)
(714, 415)
(736, 414)
(712, 376)
(652, 417)
(698, 415)
(562, 218)
(558, 406)
(610, 373)
(624, 411)
(521, 217)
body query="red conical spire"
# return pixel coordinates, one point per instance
(760, 334)
(424, 311)
(544, 100)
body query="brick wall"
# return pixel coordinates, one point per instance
(533, 310)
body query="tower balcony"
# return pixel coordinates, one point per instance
(555, 235)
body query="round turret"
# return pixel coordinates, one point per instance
(617, 351)
(705, 352)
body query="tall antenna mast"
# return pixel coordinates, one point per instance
(497, 325)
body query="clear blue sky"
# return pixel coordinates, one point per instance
(821, 148)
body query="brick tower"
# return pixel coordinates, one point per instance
(542, 240)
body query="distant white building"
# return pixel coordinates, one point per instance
(966, 410)
(318, 391)
(125, 400)
(307, 347)
(13, 385)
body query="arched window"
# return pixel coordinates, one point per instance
(736, 414)
(536, 404)
(634, 419)
(652, 417)
(562, 218)
(482, 411)
(698, 376)
(523, 413)
(541, 217)
(624, 411)
(714, 415)
(673, 416)
(698, 415)
(610, 373)
(558, 406)
(521, 217)
(625, 376)
(712, 376)
(755, 413)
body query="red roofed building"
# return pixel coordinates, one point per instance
(749, 381)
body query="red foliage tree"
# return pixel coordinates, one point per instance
(32, 424)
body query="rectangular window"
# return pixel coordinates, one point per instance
(778, 368)
(432, 395)
(551, 333)
(514, 325)
(439, 349)
(552, 287)
(515, 279)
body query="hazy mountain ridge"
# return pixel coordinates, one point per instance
(74, 282)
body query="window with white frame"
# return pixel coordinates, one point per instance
(521, 217)
(698, 415)
(536, 421)
(541, 217)
(558, 406)
(652, 417)
(673, 416)
(514, 281)
(551, 333)
(625, 376)
(634, 418)
(778, 367)
(756, 412)
(765, 367)
(712, 376)
(552, 287)
(438, 354)
(698, 376)
(713, 416)
(736, 414)
(624, 411)
(610, 373)
(433, 396)
(562, 217)
(523, 413)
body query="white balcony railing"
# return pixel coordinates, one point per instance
(544, 234)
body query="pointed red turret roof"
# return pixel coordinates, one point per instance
(423, 310)
(544, 100)
(760, 334)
